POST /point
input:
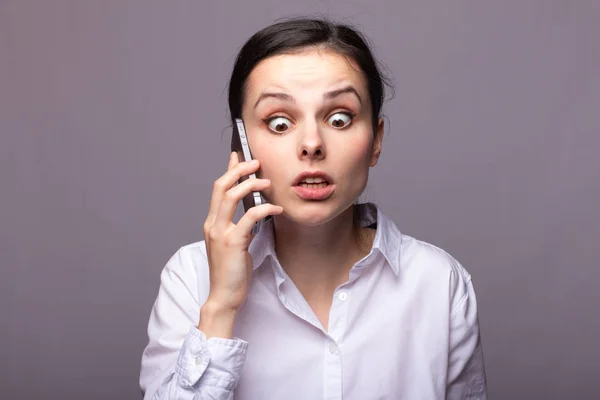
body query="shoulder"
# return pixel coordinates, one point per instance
(427, 257)
(413, 256)
(188, 268)
(194, 253)
(188, 258)
(432, 264)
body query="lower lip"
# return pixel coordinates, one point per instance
(314, 194)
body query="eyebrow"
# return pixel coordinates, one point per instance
(347, 89)
(280, 96)
(327, 96)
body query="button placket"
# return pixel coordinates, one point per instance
(333, 353)
(333, 371)
(338, 315)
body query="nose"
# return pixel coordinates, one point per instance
(311, 146)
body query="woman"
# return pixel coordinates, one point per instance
(329, 300)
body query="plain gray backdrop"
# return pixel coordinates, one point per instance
(113, 128)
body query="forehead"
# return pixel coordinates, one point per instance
(305, 71)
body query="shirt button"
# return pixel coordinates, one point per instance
(198, 360)
(343, 296)
(333, 349)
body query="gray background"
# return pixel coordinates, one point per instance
(113, 128)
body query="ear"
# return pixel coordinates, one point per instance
(377, 143)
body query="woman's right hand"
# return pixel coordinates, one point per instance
(230, 263)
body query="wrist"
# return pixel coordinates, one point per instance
(217, 321)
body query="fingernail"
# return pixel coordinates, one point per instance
(254, 162)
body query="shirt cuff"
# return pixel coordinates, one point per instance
(217, 361)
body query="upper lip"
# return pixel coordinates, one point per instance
(312, 174)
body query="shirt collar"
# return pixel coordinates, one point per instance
(387, 240)
(263, 244)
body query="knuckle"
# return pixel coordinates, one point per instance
(229, 196)
(218, 185)
(255, 212)
(213, 234)
(227, 241)
(244, 165)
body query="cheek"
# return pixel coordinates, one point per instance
(356, 161)
(359, 151)
(270, 157)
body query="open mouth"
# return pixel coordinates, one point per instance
(317, 187)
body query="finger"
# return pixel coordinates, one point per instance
(255, 214)
(234, 196)
(226, 182)
(233, 160)
(210, 218)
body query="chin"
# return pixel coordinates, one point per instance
(313, 213)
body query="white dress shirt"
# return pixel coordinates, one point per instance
(404, 326)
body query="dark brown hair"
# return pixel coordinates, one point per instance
(294, 35)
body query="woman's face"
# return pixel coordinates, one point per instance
(310, 113)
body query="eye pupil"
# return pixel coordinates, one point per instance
(340, 120)
(278, 124)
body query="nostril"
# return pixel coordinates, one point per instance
(314, 153)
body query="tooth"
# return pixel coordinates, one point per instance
(313, 185)
(313, 180)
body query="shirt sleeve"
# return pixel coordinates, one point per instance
(178, 361)
(466, 372)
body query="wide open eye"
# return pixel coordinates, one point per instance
(279, 124)
(340, 120)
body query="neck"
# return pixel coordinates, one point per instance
(318, 258)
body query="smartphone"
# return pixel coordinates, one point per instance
(239, 144)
